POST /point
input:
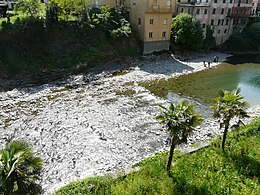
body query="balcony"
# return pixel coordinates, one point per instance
(158, 8)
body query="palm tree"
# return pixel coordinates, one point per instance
(19, 169)
(227, 106)
(180, 121)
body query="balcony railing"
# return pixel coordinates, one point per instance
(158, 8)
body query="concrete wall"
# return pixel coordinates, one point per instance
(152, 46)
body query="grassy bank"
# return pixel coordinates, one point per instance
(208, 171)
(29, 47)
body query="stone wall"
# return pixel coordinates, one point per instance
(152, 46)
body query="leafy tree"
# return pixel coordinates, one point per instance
(180, 121)
(32, 8)
(19, 169)
(227, 106)
(255, 34)
(111, 21)
(73, 7)
(186, 32)
(209, 41)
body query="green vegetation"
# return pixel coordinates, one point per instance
(187, 34)
(180, 121)
(227, 106)
(35, 45)
(207, 171)
(19, 169)
(244, 38)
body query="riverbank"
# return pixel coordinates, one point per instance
(97, 123)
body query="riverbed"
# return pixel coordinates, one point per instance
(97, 123)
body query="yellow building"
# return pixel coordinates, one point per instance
(151, 19)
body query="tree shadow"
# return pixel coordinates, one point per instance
(245, 165)
(183, 187)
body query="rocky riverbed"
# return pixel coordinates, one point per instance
(96, 123)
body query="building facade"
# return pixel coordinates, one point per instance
(220, 15)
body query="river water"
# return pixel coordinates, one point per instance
(235, 73)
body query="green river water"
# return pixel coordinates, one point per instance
(239, 71)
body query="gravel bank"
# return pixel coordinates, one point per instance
(88, 125)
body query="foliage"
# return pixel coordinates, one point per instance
(244, 39)
(78, 8)
(180, 121)
(255, 34)
(207, 171)
(227, 106)
(32, 8)
(111, 21)
(186, 32)
(19, 169)
(209, 41)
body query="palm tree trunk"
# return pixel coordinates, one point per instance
(168, 166)
(225, 135)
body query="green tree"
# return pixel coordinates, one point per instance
(78, 8)
(19, 169)
(209, 41)
(227, 106)
(32, 8)
(180, 121)
(186, 32)
(255, 34)
(111, 21)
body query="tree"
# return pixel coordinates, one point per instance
(255, 34)
(209, 41)
(19, 169)
(186, 32)
(180, 121)
(111, 21)
(227, 106)
(32, 8)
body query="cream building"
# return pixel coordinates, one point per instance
(220, 15)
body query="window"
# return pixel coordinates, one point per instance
(205, 11)
(207, 1)
(218, 31)
(230, 1)
(222, 11)
(150, 35)
(151, 21)
(203, 25)
(225, 31)
(215, 1)
(224, 1)
(229, 12)
(246, 1)
(139, 21)
(188, 1)
(212, 22)
(189, 11)
(227, 21)
(169, 2)
(177, 9)
(222, 22)
(165, 21)
(214, 11)
(219, 21)
(179, 0)
(181, 10)
(134, 2)
(198, 11)
(164, 34)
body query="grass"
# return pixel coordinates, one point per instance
(207, 171)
